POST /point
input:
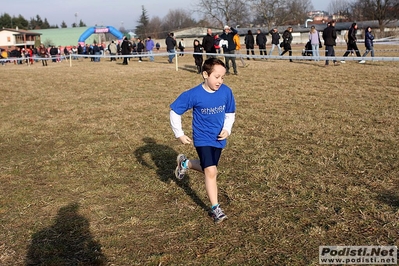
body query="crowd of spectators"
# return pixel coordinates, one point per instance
(94, 51)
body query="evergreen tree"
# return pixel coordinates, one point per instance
(142, 27)
(33, 24)
(82, 24)
(46, 25)
(20, 22)
(64, 25)
(6, 21)
(39, 22)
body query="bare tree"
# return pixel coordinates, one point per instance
(177, 19)
(381, 10)
(266, 11)
(154, 28)
(221, 12)
(341, 7)
(281, 12)
(298, 10)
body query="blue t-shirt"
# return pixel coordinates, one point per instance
(209, 109)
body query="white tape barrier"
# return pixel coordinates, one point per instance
(72, 57)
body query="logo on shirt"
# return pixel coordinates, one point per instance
(213, 111)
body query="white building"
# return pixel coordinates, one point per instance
(10, 38)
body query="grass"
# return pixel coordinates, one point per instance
(87, 158)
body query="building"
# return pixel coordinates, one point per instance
(64, 36)
(13, 38)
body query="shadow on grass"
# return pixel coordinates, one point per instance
(67, 242)
(164, 158)
(189, 68)
(389, 197)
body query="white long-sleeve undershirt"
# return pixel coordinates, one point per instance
(175, 122)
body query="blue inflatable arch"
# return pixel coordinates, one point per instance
(106, 29)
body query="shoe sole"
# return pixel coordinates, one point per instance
(218, 221)
(178, 164)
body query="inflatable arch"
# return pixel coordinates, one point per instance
(106, 29)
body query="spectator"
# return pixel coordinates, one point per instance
(181, 47)
(140, 48)
(369, 43)
(287, 40)
(149, 46)
(275, 40)
(170, 46)
(53, 53)
(352, 39)
(329, 37)
(229, 48)
(237, 42)
(80, 49)
(74, 51)
(208, 43)
(216, 43)
(96, 52)
(66, 51)
(314, 39)
(113, 49)
(126, 49)
(1, 57)
(43, 54)
(198, 59)
(249, 43)
(158, 46)
(261, 42)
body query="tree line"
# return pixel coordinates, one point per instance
(383, 11)
(268, 13)
(246, 13)
(6, 21)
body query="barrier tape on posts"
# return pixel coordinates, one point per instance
(71, 57)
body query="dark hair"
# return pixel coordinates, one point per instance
(249, 32)
(210, 63)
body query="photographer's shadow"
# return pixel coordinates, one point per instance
(67, 242)
(164, 158)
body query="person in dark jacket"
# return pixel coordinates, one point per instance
(198, 59)
(287, 40)
(261, 42)
(96, 51)
(208, 43)
(369, 43)
(53, 53)
(43, 54)
(352, 39)
(249, 43)
(170, 42)
(126, 49)
(329, 37)
(140, 48)
(229, 48)
(275, 40)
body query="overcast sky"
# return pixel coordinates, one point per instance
(108, 13)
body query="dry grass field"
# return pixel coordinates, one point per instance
(87, 158)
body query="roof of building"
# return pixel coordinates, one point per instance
(18, 31)
(64, 36)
